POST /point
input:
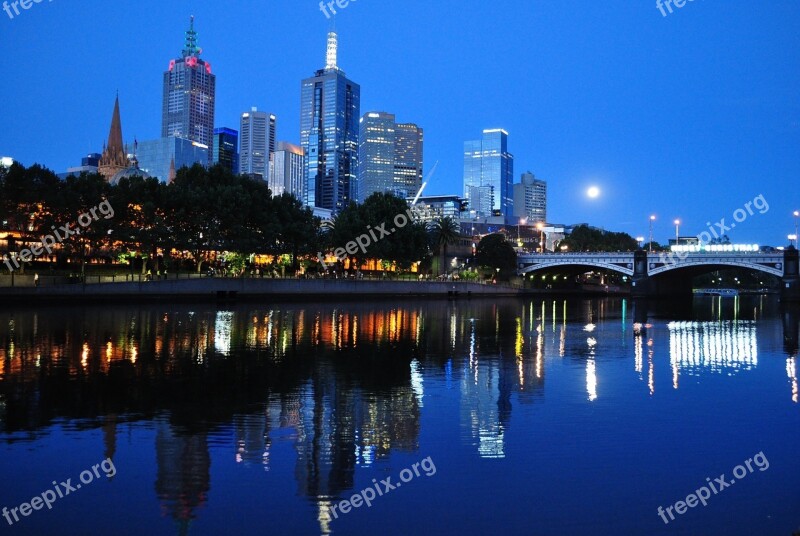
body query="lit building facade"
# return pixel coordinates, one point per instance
(488, 175)
(433, 207)
(530, 199)
(330, 106)
(258, 131)
(189, 96)
(390, 157)
(156, 157)
(225, 150)
(286, 168)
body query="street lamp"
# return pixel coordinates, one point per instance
(522, 221)
(652, 219)
(640, 239)
(796, 216)
(677, 232)
(540, 226)
(793, 238)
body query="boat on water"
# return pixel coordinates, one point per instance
(723, 292)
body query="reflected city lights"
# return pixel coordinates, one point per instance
(717, 347)
(791, 372)
(223, 327)
(591, 379)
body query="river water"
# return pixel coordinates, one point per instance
(518, 417)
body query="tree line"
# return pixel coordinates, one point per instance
(204, 213)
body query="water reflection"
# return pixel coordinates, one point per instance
(346, 384)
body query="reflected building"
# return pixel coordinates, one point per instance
(183, 474)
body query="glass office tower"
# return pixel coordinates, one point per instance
(330, 105)
(257, 143)
(489, 175)
(389, 157)
(156, 157)
(189, 96)
(226, 149)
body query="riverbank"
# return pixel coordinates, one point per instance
(227, 289)
(246, 288)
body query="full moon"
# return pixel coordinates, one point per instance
(593, 192)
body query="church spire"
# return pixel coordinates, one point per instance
(115, 157)
(115, 133)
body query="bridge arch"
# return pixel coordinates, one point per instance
(626, 269)
(698, 266)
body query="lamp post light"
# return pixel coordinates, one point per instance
(652, 219)
(796, 216)
(640, 239)
(793, 238)
(540, 226)
(677, 232)
(522, 221)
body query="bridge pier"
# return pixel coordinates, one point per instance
(790, 291)
(640, 283)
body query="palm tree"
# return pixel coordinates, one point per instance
(444, 231)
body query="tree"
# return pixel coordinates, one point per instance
(443, 231)
(298, 229)
(585, 238)
(494, 252)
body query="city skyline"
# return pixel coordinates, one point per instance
(624, 138)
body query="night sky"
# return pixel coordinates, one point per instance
(686, 116)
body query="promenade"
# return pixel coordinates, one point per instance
(195, 287)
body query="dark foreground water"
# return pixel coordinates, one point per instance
(573, 417)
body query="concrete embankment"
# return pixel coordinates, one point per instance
(220, 288)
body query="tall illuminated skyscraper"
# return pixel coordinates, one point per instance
(257, 135)
(389, 158)
(330, 106)
(189, 96)
(489, 175)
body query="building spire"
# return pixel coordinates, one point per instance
(191, 48)
(115, 154)
(332, 52)
(115, 134)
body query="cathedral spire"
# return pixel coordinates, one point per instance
(115, 157)
(115, 133)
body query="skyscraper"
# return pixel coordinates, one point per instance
(488, 175)
(530, 199)
(389, 157)
(330, 105)
(286, 167)
(257, 132)
(114, 158)
(189, 96)
(408, 145)
(226, 149)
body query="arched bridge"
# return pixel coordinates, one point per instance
(667, 273)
